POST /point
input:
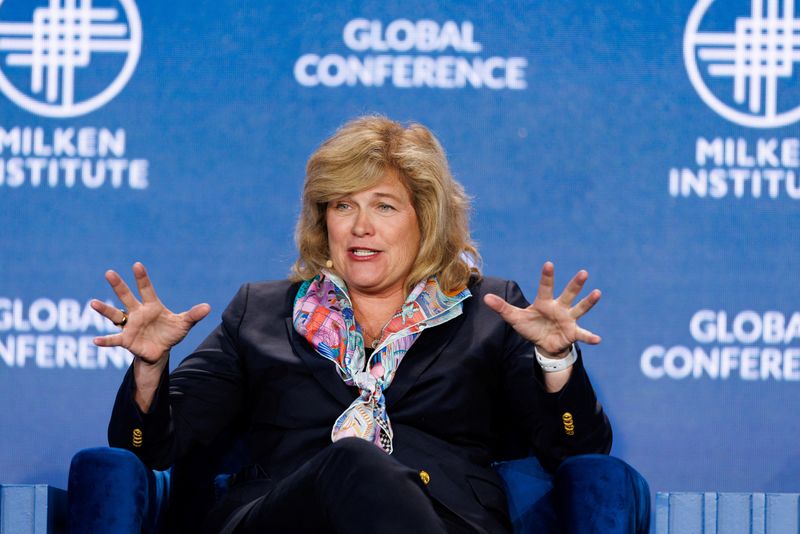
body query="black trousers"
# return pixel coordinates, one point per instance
(350, 486)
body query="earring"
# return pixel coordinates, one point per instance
(329, 264)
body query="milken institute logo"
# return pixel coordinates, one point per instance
(58, 46)
(757, 57)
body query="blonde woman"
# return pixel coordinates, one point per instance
(381, 381)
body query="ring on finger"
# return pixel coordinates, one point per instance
(122, 322)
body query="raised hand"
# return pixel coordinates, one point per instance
(551, 323)
(150, 330)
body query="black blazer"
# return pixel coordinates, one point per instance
(468, 393)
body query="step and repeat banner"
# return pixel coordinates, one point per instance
(655, 144)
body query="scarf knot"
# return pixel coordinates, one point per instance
(324, 316)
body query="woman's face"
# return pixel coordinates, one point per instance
(374, 237)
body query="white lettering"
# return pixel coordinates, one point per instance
(747, 334)
(44, 315)
(403, 35)
(738, 353)
(728, 361)
(770, 364)
(791, 364)
(62, 142)
(7, 350)
(355, 36)
(50, 315)
(10, 139)
(790, 152)
(678, 362)
(707, 363)
(442, 72)
(66, 351)
(749, 364)
(58, 352)
(702, 326)
(705, 149)
(773, 327)
(649, 368)
(6, 317)
(109, 142)
(25, 349)
(15, 172)
(44, 352)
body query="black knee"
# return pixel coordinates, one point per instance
(349, 462)
(356, 450)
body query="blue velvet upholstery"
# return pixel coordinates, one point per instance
(587, 494)
(619, 495)
(111, 491)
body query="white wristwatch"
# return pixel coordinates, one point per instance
(552, 365)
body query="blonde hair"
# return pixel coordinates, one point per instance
(358, 156)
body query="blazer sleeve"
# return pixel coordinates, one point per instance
(192, 404)
(554, 425)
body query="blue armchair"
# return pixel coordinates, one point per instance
(111, 491)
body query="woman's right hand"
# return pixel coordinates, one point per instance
(151, 329)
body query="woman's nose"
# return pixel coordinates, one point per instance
(362, 224)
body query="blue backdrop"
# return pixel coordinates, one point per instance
(654, 144)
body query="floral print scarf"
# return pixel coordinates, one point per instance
(323, 315)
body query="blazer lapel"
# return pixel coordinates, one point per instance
(422, 354)
(323, 369)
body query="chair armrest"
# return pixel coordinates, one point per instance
(588, 493)
(111, 490)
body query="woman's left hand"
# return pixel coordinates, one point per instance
(551, 323)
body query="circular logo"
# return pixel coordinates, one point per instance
(741, 64)
(48, 51)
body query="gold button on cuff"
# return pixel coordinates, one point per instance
(137, 437)
(424, 477)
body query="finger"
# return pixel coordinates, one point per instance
(111, 313)
(122, 290)
(586, 336)
(114, 340)
(146, 289)
(585, 304)
(573, 288)
(546, 282)
(508, 312)
(197, 313)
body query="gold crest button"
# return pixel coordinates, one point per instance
(424, 477)
(137, 437)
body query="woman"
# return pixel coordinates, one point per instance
(337, 426)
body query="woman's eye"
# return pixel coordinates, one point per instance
(342, 206)
(385, 207)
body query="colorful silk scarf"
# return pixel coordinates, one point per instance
(323, 315)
